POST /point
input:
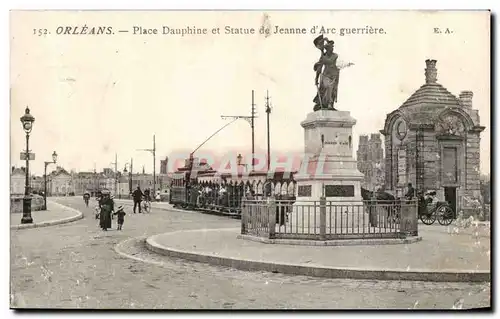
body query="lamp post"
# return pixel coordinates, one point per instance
(27, 120)
(131, 175)
(54, 160)
(125, 173)
(116, 173)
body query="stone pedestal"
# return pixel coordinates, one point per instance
(329, 170)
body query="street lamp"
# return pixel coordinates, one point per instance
(54, 160)
(27, 120)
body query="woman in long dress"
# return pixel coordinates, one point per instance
(107, 207)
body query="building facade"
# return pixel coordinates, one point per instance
(85, 181)
(94, 182)
(118, 184)
(60, 183)
(370, 161)
(432, 141)
(37, 184)
(17, 181)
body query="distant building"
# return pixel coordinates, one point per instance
(17, 180)
(85, 181)
(119, 184)
(124, 184)
(37, 184)
(370, 159)
(60, 183)
(164, 166)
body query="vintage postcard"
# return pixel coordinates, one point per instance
(250, 159)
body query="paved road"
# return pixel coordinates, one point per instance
(76, 266)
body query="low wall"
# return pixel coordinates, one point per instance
(16, 203)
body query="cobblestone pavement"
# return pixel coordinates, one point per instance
(76, 266)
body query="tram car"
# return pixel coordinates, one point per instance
(178, 188)
(211, 191)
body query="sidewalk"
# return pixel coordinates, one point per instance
(438, 257)
(54, 215)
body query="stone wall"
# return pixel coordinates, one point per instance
(430, 160)
(16, 203)
(472, 163)
(388, 161)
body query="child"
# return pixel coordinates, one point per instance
(97, 212)
(121, 217)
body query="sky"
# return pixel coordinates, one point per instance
(94, 96)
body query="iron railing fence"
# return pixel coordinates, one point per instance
(327, 220)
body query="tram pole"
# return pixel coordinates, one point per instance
(253, 131)
(251, 120)
(152, 151)
(268, 111)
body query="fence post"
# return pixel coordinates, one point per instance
(271, 206)
(409, 218)
(244, 213)
(415, 217)
(322, 218)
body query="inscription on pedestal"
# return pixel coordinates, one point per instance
(304, 191)
(339, 190)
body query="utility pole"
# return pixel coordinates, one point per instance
(131, 176)
(268, 111)
(253, 131)
(251, 120)
(153, 151)
(116, 174)
(154, 165)
(95, 181)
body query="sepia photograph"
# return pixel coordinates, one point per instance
(250, 160)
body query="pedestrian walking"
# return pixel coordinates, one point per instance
(86, 198)
(137, 197)
(107, 208)
(121, 217)
(97, 212)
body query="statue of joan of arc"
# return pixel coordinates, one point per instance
(327, 74)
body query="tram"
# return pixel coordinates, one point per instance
(212, 191)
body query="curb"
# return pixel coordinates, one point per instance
(340, 242)
(78, 216)
(319, 271)
(207, 212)
(118, 250)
